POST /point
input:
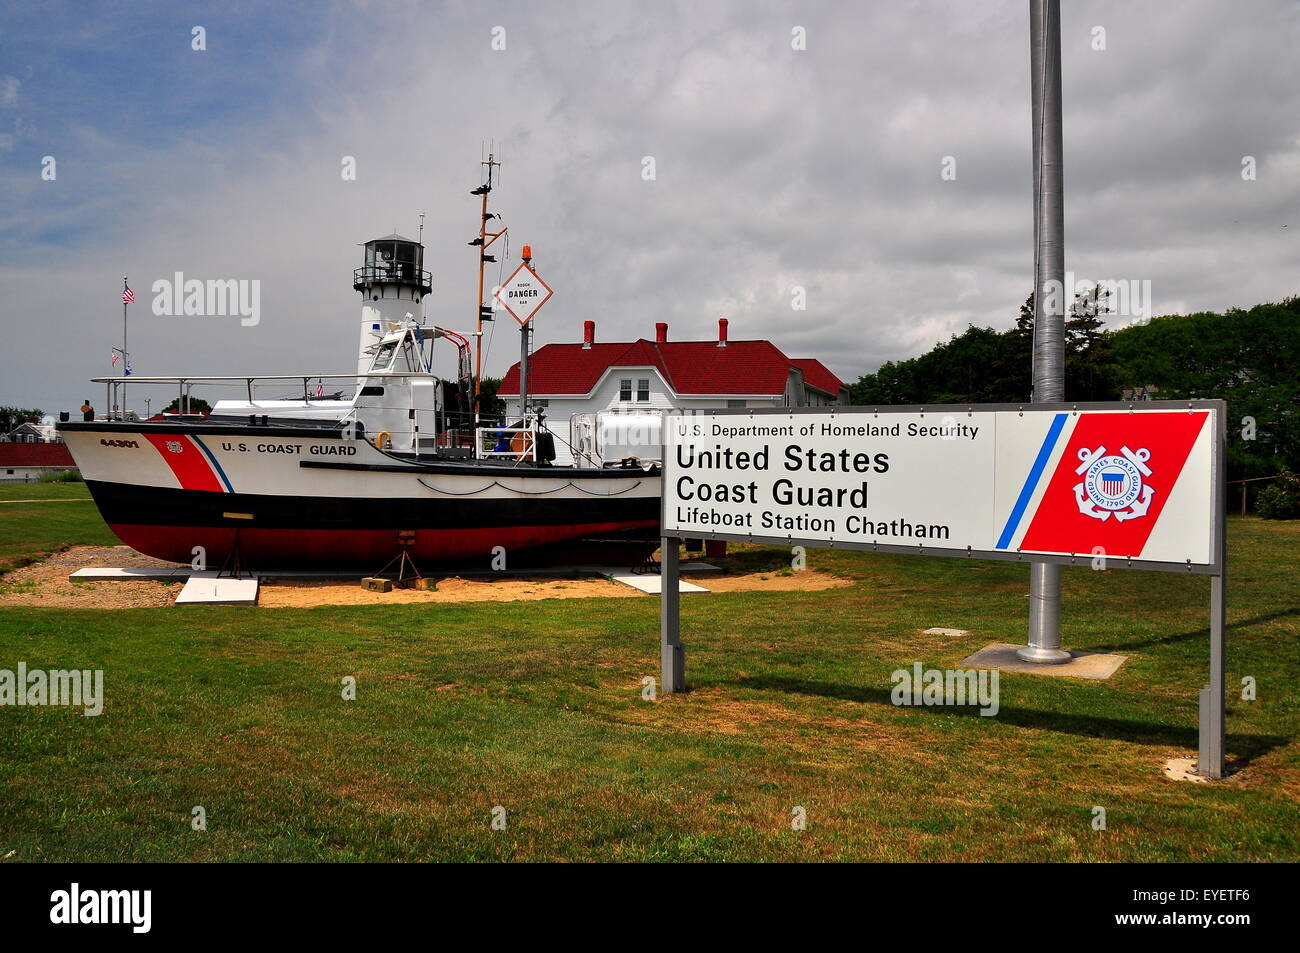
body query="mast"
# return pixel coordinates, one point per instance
(484, 240)
(1049, 268)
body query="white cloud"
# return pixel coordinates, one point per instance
(775, 167)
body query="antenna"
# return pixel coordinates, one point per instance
(482, 242)
(420, 236)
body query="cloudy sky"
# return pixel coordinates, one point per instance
(774, 168)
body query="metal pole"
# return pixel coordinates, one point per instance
(523, 369)
(1213, 709)
(125, 359)
(672, 655)
(1049, 266)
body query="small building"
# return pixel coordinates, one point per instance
(570, 379)
(28, 462)
(33, 431)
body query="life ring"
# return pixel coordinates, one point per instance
(383, 440)
(521, 444)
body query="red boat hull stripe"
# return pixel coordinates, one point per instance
(187, 462)
(289, 548)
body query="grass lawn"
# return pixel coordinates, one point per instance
(537, 707)
(37, 519)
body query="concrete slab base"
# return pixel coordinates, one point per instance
(1002, 656)
(653, 584)
(129, 575)
(207, 589)
(937, 630)
(204, 587)
(1183, 769)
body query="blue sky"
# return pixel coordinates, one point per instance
(777, 168)
(108, 87)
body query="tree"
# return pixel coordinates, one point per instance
(11, 417)
(490, 405)
(1248, 358)
(197, 406)
(1089, 370)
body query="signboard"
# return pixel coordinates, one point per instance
(523, 293)
(1134, 483)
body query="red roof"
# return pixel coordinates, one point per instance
(818, 375)
(35, 455)
(689, 367)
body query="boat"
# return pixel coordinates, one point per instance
(356, 469)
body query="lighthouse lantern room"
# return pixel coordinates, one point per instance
(393, 285)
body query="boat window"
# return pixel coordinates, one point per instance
(625, 389)
(384, 357)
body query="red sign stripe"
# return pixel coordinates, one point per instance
(1060, 527)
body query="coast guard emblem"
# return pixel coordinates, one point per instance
(1112, 485)
(175, 446)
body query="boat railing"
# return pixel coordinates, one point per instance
(314, 386)
(516, 443)
(402, 272)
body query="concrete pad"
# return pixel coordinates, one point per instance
(1183, 769)
(96, 574)
(1002, 656)
(207, 589)
(653, 584)
(941, 631)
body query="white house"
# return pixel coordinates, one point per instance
(570, 379)
(27, 462)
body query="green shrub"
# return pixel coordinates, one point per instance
(1280, 500)
(64, 476)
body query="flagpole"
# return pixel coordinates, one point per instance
(125, 286)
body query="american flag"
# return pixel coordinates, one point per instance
(116, 358)
(128, 296)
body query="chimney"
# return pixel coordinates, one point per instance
(722, 332)
(588, 334)
(661, 332)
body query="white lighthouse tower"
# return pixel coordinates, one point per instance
(393, 284)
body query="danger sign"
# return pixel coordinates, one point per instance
(523, 293)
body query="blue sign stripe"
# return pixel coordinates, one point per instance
(216, 466)
(1031, 482)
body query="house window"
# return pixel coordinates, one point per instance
(643, 389)
(539, 403)
(735, 403)
(625, 389)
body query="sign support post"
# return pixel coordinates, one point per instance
(672, 655)
(1212, 708)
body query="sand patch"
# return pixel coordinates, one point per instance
(46, 583)
(297, 594)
